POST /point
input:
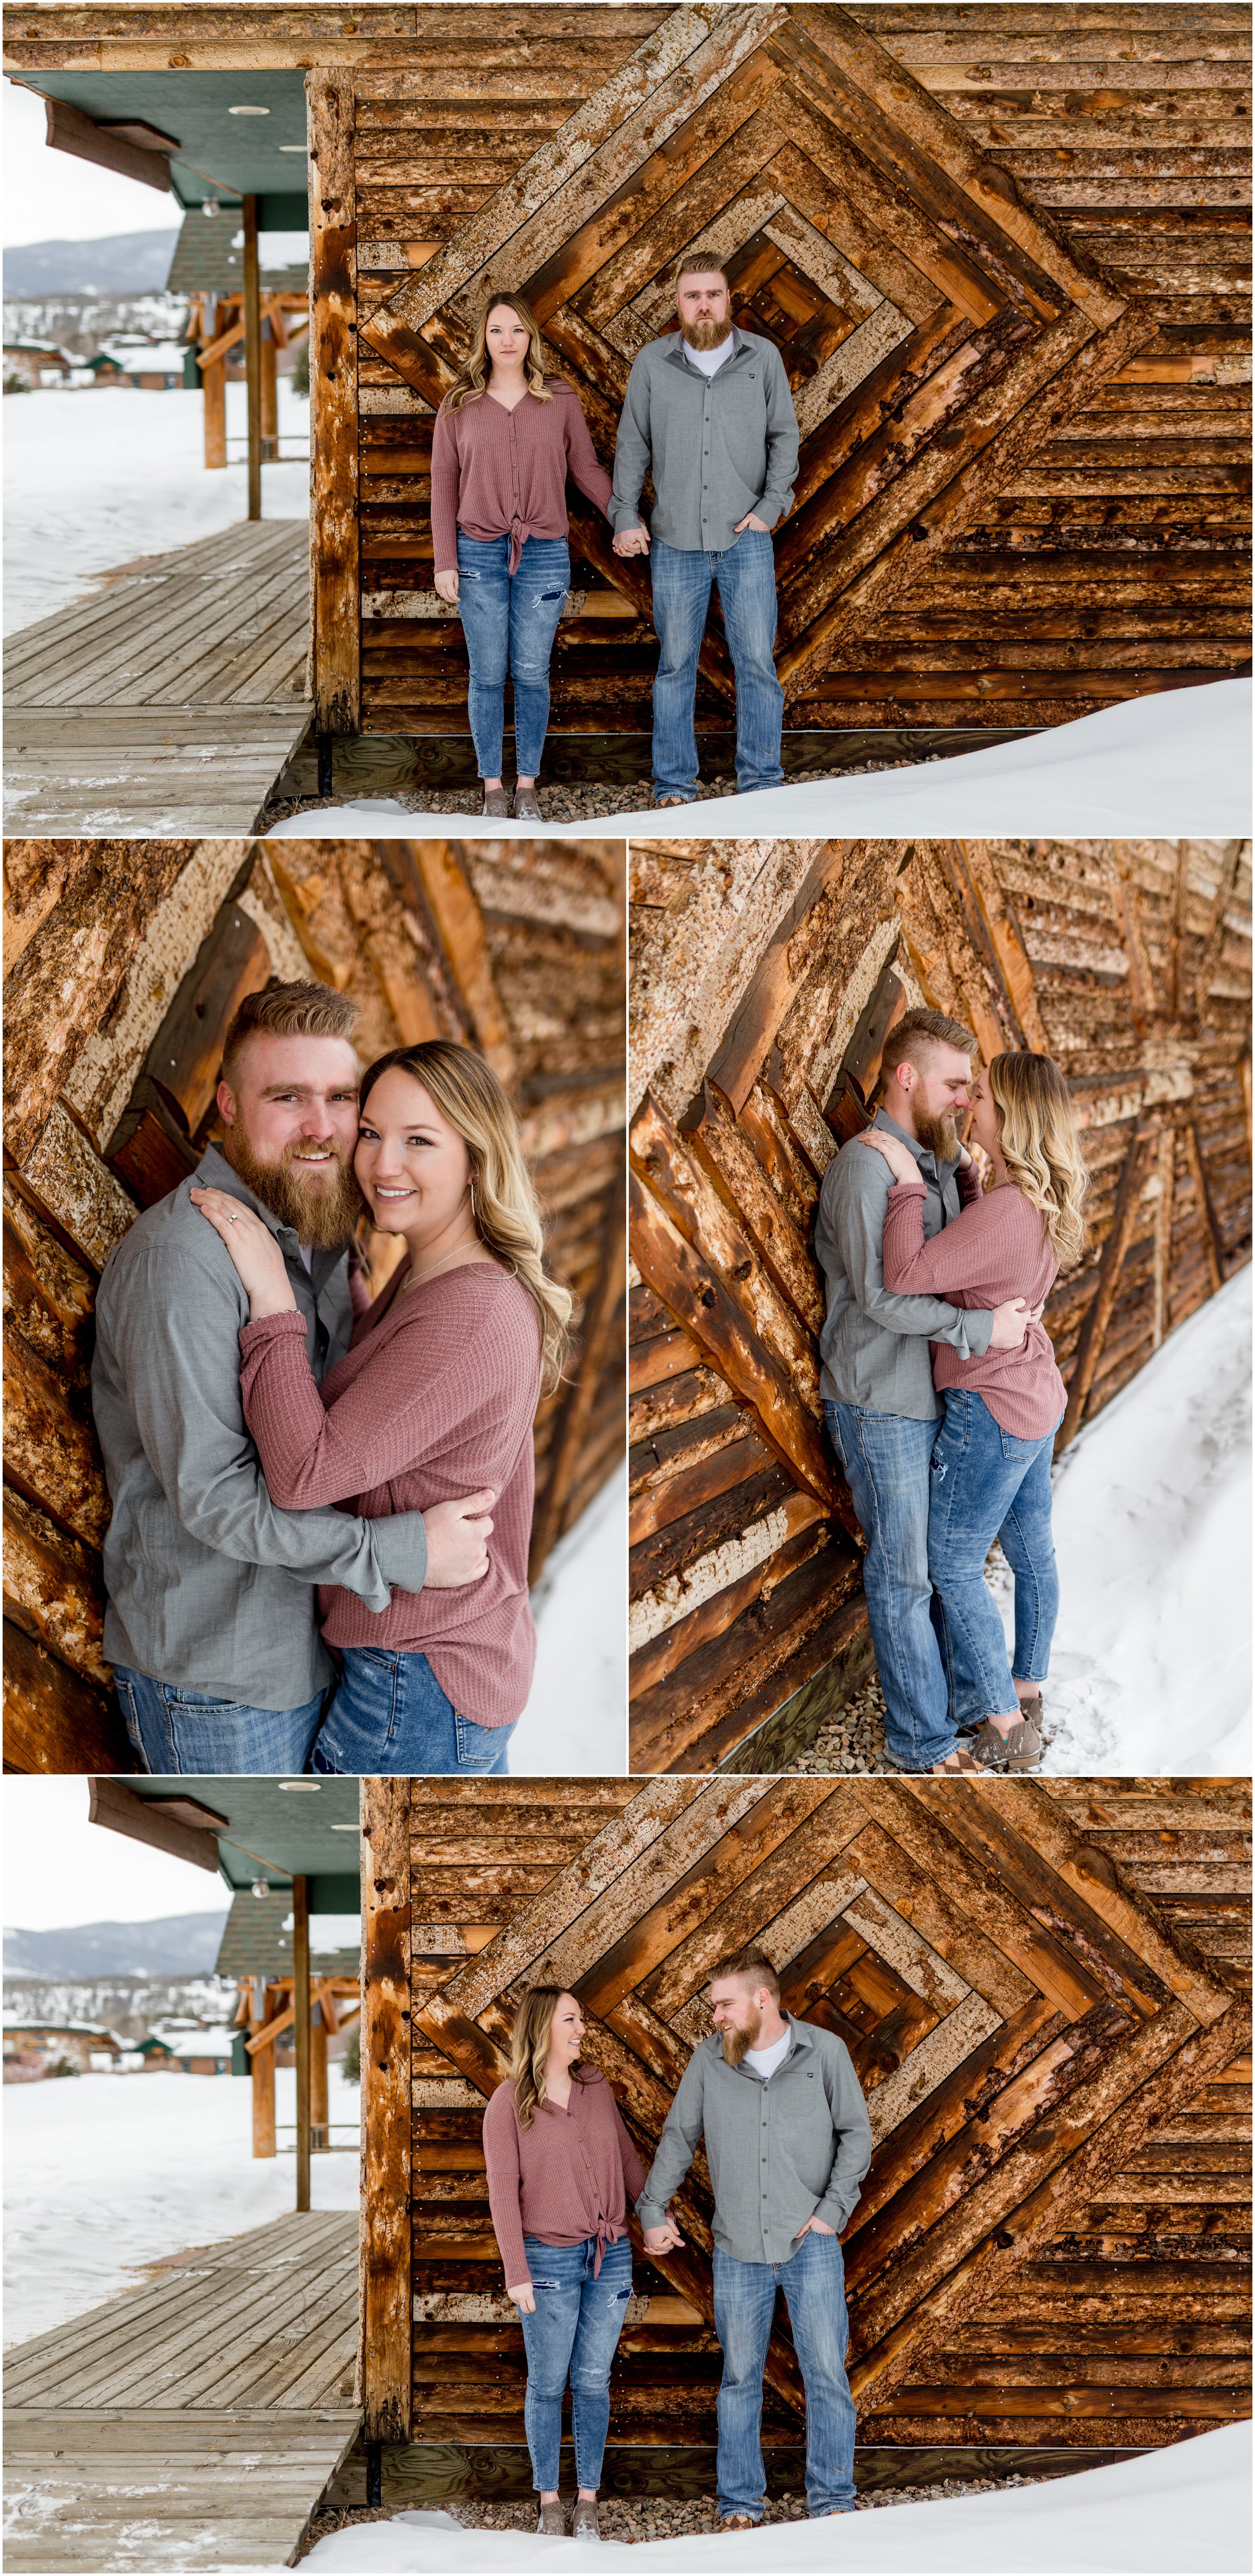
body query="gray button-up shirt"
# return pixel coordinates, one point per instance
(874, 1346)
(718, 446)
(210, 1587)
(779, 2153)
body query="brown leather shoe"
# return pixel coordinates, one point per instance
(551, 2522)
(661, 808)
(736, 2521)
(958, 1761)
(497, 804)
(584, 2522)
(1020, 1750)
(526, 806)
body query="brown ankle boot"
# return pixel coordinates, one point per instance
(1020, 1750)
(551, 2522)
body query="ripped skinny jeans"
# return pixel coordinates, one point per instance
(574, 2333)
(509, 621)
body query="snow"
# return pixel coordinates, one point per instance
(107, 2172)
(93, 479)
(574, 1720)
(1185, 2507)
(1177, 762)
(1151, 1664)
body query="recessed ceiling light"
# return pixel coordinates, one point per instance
(315, 1785)
(294, 147)
(248, 111)
(344, 1829)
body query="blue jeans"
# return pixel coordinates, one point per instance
(509, 621)
(987, 1485)
(813, 2282)
(886, 1459)
(187, 1730)
(390, 1714)
(575, 2329)
(745, 573)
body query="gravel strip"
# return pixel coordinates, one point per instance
(656, 2517)
(853, 1740)
(575, 803)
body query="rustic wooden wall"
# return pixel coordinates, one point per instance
(125, 961)
(1002, 257)
(765, 976)
(1042, 1986)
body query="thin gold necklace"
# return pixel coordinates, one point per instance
(417, 1276)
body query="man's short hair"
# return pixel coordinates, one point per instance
(694, 264)
(915, 1037)
(752, 1968)
(288, 1011)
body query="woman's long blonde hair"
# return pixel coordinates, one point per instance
(1039, 1138)
(507, 1217)
(472, 376)
(529, 2048)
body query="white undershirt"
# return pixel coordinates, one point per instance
(708, 359)
(765, 2060)
(307, 1256)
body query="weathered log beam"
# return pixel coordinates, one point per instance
(386, 2348)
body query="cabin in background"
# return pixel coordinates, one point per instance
(766, 980)
(1042, 1987)
(126, 960)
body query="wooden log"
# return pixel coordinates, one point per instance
(50, 1452)
(335, 593)
(1211, 1236)
(674, 1720)
(52, 1589)
(262, 2064)
(54, 1719)
(600, 1343)
(460, 925)
(1093, 1330)
(47, 1293)
(72, 1190)
(386, 2306)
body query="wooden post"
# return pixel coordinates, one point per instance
(1098, 1315)
(214, 382)
(1207, 1215)
(319, 2128)
(252, 354)
(300, 2002)
(386, 2376)
(1163, 1233)
(261, 2010)
(572, 1422)
(269, 395)
(335, 604)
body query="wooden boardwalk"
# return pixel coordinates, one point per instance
(191, 2423)
(168, 702)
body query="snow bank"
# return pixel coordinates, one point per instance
(574, 1720)
(1151, 1663)
(106, 2172)
(93, 479)
(1176, 762)
(1185, 2508)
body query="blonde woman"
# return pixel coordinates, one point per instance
(561, 2171)
(435, 1395)
(990, 1474)
(505, 440)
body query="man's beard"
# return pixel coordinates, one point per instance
(938, 1136)
(705, 335)
(736, 2042)
(323, 1217)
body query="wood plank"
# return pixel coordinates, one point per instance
(1098, 1312)
(386, 2347)
(335, 601)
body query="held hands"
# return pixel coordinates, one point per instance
(664, 2239)
(751, 520)
(524, 2298)
(253, 1249)
(632, 541)
(457, 1547)
(899, 1158)
(447, 587)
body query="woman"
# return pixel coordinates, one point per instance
(434, 1398)
(991, 1462)
(505, 440)
(561, 2170)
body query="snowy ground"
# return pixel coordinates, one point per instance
(575, 1719)
(1151, 1664)
(1176, 762)
(106, 2172)
(1184, 2511)
(94, 479)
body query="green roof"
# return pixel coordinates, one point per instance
(277, 1830)
(207, 261)
(254, 1943)
(219, 155)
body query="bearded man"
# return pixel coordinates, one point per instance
(211, 1623)
(876, 1378)
(788, 2142)
(708, 411)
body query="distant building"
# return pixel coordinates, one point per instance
(144, 366)
(189, 2050)
(32, 2046)
(36, 362)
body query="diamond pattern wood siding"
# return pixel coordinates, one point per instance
(1050, 2237)
(126, 961)
(765, 979)
(1008, 292)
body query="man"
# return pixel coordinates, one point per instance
(788, 2142)
(211, 1622)
(709, 412)
(876, 1377)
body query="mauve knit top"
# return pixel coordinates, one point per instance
(997, 1247)
(497, 473)
(565, 2178)
(433, 1399)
